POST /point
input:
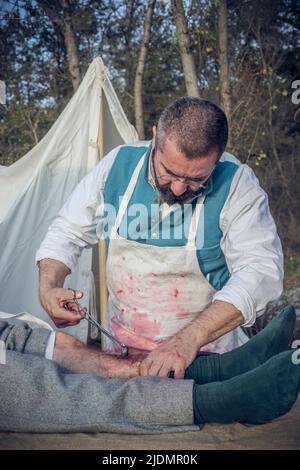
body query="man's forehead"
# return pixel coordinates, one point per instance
(174, 160)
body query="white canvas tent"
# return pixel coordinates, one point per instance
(33, 189)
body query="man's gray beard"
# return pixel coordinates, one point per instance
(166, 195)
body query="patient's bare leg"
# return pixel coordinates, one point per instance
(80, 358)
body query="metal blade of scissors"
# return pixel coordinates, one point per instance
(94, 322)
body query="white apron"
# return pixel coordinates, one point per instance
(155, 291)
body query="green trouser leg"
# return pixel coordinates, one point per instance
(273, 339)
(258, 396)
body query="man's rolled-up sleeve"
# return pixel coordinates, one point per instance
(78, 223)
(251, 247)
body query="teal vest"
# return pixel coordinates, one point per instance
(171, 232)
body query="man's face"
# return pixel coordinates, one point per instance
(179, 179)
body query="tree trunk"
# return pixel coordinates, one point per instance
(69, 35)
(224, 83)
(138, 83)
(64, 23)
(187, 57)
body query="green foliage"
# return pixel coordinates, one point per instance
(292, 271)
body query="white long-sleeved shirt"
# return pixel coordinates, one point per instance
(250, 242)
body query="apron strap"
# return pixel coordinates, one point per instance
(191, 242)
(127, 196)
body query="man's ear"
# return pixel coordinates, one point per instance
(154, 136)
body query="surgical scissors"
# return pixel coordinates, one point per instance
(95, 323)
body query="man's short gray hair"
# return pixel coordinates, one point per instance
(196, 126)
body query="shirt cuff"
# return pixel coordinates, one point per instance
(50, 346)
(241, 299)
(53, 255)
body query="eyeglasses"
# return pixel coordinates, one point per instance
(194, 184)
(191, 183)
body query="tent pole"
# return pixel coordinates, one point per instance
(102, 246)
